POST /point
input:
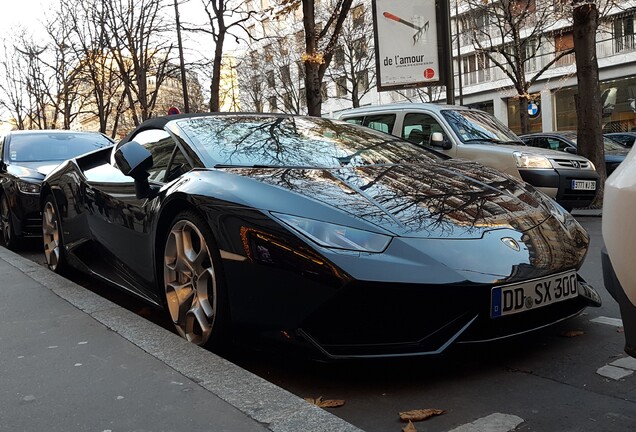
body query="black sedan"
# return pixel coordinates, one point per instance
(566, 141)
(25, 158)
(625, 139)
(317, 232)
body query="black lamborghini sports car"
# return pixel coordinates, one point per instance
(333, 236)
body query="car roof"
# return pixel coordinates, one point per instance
(403, 106)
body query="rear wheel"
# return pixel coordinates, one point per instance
(8, 231)
(193, 283)
(52, 236)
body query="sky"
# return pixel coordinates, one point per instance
(27, 13)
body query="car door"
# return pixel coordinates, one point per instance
(122, 222)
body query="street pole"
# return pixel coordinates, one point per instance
(447, 49)
(459, 55)
(184, 82)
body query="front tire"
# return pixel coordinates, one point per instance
(193, 282)
(52, 237)
(8, 231)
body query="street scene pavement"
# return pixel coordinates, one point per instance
(72, 360)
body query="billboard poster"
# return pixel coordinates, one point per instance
(406, 44)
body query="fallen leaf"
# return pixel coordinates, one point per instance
(326, 403)
(620, 330)
(409, 427)
(572, 333)
(419, 415)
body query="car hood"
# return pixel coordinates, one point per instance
(35, 170)
(553, 154)
(445, 199)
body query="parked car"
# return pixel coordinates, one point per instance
(336, 237)
(476, 135)
(566, 141)
(619, 236)
(626, 139)
(25, 158)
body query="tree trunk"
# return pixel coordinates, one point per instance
(524, 122)
(588, 100)
(215, 83)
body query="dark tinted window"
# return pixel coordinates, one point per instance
(294, 141)
(381, 122)
(418, 127)
(59, 146)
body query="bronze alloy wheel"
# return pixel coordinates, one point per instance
(51, 236)
(8, 234)
(190, 280)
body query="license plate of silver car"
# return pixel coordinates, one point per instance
(524, 296)
(583, 184)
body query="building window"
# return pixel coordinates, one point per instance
(323, 92)
(341, 86)
(271, 81)
(476, 69)
(360, 48)
(267, 30)
(300, 39)
(284, 74)
(303, 97)
(339, 56)
(564, 42)
(301, 69)
(273, 106)
(362, 79)
(357, 15)
(269, 54)
(624, 33)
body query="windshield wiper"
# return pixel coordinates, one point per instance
(486, 139)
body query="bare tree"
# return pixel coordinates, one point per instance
(353, 66)
(140, 46)
(510, 35)
(13, 91)
(321, 39)
(226, 18)
(64, 92)
(252, 85)
(588, 103)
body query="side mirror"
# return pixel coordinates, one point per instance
(134, 160)
(570, 150)
(437, 140)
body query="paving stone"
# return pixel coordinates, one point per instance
(614, 372)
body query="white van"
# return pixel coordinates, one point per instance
(476, 135)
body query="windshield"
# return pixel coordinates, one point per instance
(252, 140)
(479, 126)
(58, 146)
(608, 144)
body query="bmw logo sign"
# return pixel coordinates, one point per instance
(533, 109)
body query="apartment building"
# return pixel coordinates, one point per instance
(275, 82)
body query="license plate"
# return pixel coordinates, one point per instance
(524, 296)
(583, 185)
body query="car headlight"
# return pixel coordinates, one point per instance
(336, 236)
(28, 188)
(529, 160)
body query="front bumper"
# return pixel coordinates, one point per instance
(560, 180)
(628, 310)
(27, 218)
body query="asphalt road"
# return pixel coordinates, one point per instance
(559, 379)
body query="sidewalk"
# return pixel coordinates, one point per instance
(71, 360)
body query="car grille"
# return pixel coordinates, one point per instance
(571, 163)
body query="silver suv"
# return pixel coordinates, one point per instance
(476, 135)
